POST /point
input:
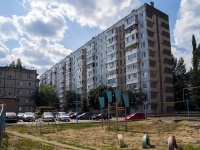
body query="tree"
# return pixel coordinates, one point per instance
(180, 81)
(95, 93)
(136, 98)
(84, 105)
(12, 64)
(46, 95)
(19, 64)
(70, 98)
(195, 73)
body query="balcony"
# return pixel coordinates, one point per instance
(131, 43)
(111, 59)
(111, 43)
(132, 51)
(131, 81)
(128, 62)
(111, 35)
(131, 33)
(130, 24)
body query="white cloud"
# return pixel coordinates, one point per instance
(187, 55)
(8, 29)
(3, 50)
(41, 55)
(92, 13)
(187, 24)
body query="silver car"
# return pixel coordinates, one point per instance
(62, 116)
(28, 116)
(47, 116)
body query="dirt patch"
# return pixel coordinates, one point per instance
(186, 133)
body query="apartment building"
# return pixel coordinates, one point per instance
(18, 84)
(134, 53)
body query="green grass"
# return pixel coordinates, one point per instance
(17, 143)
(189, 147)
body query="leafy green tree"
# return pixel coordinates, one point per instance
(180, 81)
(70, 98)
(19, 64)
(46, 96)
(136, 98)
(94, 94)
(12, 64)
(195, 73)
(84, 105)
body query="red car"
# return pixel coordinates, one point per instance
(135, 116)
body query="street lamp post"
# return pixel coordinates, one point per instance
(145, 107)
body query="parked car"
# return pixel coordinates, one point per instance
(62, 116)
(135, 116)
(11, 116)
(47, 116)
(74, 115)
(28, 116)
(86, 115)
(70, 114)
(97, 117)
(20, 116)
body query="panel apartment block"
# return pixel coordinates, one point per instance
(132, 54)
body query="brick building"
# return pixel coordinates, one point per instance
(18, 84)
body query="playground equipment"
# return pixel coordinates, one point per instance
(110, 95)
(3, 134)
(39, 124)
(145, 141)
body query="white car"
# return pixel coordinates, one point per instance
(47, 116)
(62, 116)
(28, 116)
(11, 116)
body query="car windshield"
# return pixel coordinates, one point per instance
(48, 113)
(28, 113)
(62, 114)
(133, 115)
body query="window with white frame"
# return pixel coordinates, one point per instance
(144, 74)
(29, 83)
(142, 35)
(142, 25)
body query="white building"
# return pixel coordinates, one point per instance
(134, 53)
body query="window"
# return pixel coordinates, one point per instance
(0, 73)
(9, 93)
(19, 91)
(144, 85)
(19, 74)
(141, 16)
(144, 74)
(143, 54)
(0, 81)
(143, 65)
(19, 83)
(29, 83)
(29, 75)
(142, 35)
(29, 91)
(142, 25)
(143, 45)
(20, 109)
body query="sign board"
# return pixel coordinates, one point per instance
(102, 102)
(109, 95)
(117, 95)
(126, 100)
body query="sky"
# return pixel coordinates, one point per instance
(43, 32)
